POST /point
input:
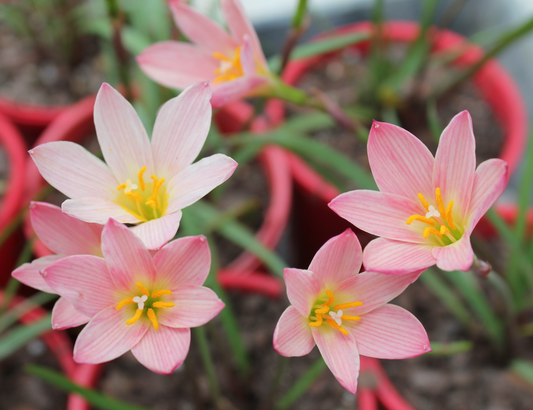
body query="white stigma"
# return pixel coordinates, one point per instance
(432, 212)
(140, 301)
(337, 317)
(130, 186)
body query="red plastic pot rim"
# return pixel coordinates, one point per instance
(30, 114)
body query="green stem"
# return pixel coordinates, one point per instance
(297, 29)
(207, 359)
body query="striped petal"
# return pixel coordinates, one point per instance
(242, 87)
(293, 336)
(303, 289)
(457, 256)
(97, 210)
(65, 315)
(157, 232)
(30, 273)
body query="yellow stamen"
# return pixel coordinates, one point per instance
(157, 293)
(420, 218)
(121, 187)
(318, 321)
(124, 302)
(143, 289)
(332, 323)
(347, 317)
(137, 316)
(163, 305)
(440, 203)
(153, 319)
(432, 230)
(331, 298)
(443, 230)
(449, 216)
(222, 57)
(141, 179)
(135, 196)
(324, 310)
(348, 305)
(424, 202)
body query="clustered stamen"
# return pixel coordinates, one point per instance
(229, 69)
(321, 309)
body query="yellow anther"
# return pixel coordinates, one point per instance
(143, 289)
(424, 202)
(331, 298)
(318, 321)
(221, 56)
(121, 187)
(323, 310)
(430, 230)
(134, 195)
(157, 293)
(443, 230)
(163, 305)
(348, 305)
(137, 316)
(229, 69)
(151, 203)
(449, 216)
(141, 179)
(440, 202)
(125, 302)
(420, 218)
(153, 319)
(336, 326)
(347, 317)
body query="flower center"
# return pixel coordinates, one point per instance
(145, 301)
(323, 306)
(440, 220)
(145, 200)
(230, 68)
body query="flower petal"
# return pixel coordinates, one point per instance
(396, 258)
(177, 65)
(199, 179)
(121, 134)
(107, 337)
(390, 332)
(455, 163)
(242, 87)
(63, 234)
(158, 232)
(65, 316)
(30, 273)
(97, 210)
(293, 337)
(194, 306)
(489, 183)
(126, 256)
(73, 170)
(163, 350)
(247, 57)
(340, 354)
(184, 260)
(303, 289)
(401, 164)
(457, 256)
(180, 130)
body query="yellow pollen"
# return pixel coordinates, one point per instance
(420, 218)
(229, 69)
(143, 289)
(449, 216)
(137, 316)
(331, 298)
(332, 323)
(141, 179)
(430, 230)
(157, 293)
(440, 203)
(424, 202)
(125, 302)
(443, 230)
(347, 317)
(153, 319)
(134, 195)
(349, 305)
(318, 321)
(121, 187)
(323, 310)
(163, 305)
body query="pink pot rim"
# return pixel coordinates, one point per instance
(26, 114)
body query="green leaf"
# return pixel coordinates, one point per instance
(15, 313)
(22, 334)
(450, 348)
(523, 369)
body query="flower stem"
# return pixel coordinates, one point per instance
(207, 359)
(297, 29)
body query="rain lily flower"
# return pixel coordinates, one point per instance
(233, 62)
(427, 207)
(135, 301)
(144, 183)
(346, 313)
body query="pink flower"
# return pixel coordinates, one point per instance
(346, 313)
(427, 207)
(136, 302)
(144, 183)
(233, 62)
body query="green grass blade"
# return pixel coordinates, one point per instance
(523, 369)
(451, 348)
(22, 334)
(15, 313)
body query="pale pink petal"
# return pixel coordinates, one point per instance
(65, 316)
(97, 210)
(73, 170)
(198, 179)
(163, 350)
(201, 30)
(455, 163)
(339, 258)
(242, 87)
(340, 354)
(177, 65)
(457, 256)
(396, 258)
(158, 232)
(194, 306)
(180, 130)
(390, 332)
(401, 164)
(303, 288)
(63, 234)
(184, 260)
(30, 273)
(84, 281)
(247, 57)
(489, 183)
(124, 142)
(107, 336)
(293, 337)
(381, 214)
(126, 256)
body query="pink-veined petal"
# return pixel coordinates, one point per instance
(163, 350)
(121, 134)
(30, 273)
(180, 130)
(293, 337)
(242, 87)
(107, 337)
(381, 214)
(396, 258)
(489, 183)
(184, 260)
(73, 170)
(194, 306)
(455, 163)
(63, 234)
(340, 354)
(247, 57)
(84, 281)
(457, 256)
(65, 316)
(177, 65)
(339, 258)
(390, 332)
(401, 164)
(97, 210)
(198, 179)
(303, 288)
(126, 256)
(158, 232)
